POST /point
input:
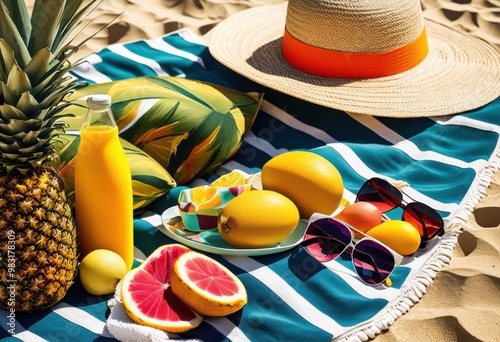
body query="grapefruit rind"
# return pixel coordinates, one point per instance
(147, 294)
(232, 294)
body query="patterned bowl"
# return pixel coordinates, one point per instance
(200, 206)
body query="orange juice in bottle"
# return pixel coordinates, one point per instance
(103, 185)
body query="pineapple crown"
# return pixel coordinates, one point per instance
(34, 61)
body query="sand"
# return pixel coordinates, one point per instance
(463, 303)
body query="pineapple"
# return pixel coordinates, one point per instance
(38, 254)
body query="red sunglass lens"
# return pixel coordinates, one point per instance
(381, 194)
(428, 222)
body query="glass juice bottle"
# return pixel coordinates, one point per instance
(103, 185)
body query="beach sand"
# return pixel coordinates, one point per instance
(463, 303)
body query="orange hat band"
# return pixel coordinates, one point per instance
(331, 63)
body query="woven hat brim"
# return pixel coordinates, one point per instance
(460, 73)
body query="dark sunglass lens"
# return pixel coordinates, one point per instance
(428, 222)
(372, 261)
(380, 193)
(326, 239)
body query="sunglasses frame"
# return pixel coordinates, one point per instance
(353, 242)
(406, 207)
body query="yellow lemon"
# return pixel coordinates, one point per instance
(101, 270)
(399, 235)
(306, 178)
(258, 218)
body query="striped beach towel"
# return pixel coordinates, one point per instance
(448, 161)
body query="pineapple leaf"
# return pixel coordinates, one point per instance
(45, 20)
(17, 162)
(68, 50)
(18, 81)
(27, 103)
(52, 78)
(61, 125)
(9, 32)
(71, 19)
(9, 147)
(7, 60)
(21, 17)
(55, 89)
(34, 62)
(70, 13)
(7, 140)
(7, 129)
(48, 132)
(9, 112)
(31, 136)
(24, 126)
(39, 65)
(35, 147)
(8, 96)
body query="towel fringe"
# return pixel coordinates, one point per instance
(411, 294)
(456, 227)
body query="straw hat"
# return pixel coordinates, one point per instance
(377, 57)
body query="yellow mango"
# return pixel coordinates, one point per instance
(399, 235)
(258, 218)
(308, 179)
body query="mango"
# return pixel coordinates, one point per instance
(399, 235)
(257, 219)
(361, 215)
(309, 180)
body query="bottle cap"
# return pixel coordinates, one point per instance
(98, 101)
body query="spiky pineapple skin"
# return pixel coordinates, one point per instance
(35, 214)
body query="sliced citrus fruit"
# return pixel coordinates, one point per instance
(204, 197)
(233, 178)
(147, 295)
(206, 286)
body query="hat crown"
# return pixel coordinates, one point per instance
(367, 26)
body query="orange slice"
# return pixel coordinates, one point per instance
(206, 286)
(204, 198)
(233, 178)
(147, 295)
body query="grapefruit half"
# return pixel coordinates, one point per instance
(147, 295)
(206, 286)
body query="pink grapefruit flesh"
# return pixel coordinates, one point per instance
(210, 277)
(206, 286)
(148, 297)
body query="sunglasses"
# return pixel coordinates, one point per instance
(326, 238)
(387, 197)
